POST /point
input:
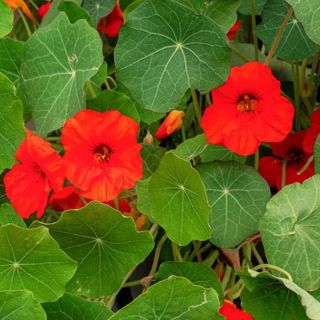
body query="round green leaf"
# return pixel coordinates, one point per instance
(198, 274)
(9, 215)
(290, 232)
(174, 298)
(31, 259)
(70, 307)
(74, 11)
(104, 243)
(294, 43)
(164, 49)
(215, 152)
(98, 8)
(6, 19)
(11, 123)
(143, 201)
(308, 13)
(18, 305)
(178, 201)
(151, 156)
(238, 197)
(56, 63)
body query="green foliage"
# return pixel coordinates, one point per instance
(98, 8)
(9, 215)
(6, 19)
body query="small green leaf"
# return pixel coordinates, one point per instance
(113, 100)
(104, 243)
(10, 53)
(143, 201)
(317, 156)
(191, 148)
(294, 43)
(238, 196)
(268, 297)
(98, 8)
(245, 6)
(55, 65)
(9, 215)
(74, 12)
(308, 13)
(70, 307)
(6, 19)
(97, 80)
(178, 201)
(174, 298)
(151, 156)
(11, 123)
(187, 51)
(198, 274)
(18, 305)
(30, 259)
(290, 232)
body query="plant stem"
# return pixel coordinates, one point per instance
(132, 284)
(238, 53)
(283, 173)
(226, 277)
(183, 132)
(306, 166)
(256, 253)
(210, 260)
(253, 27)
(176, 252)
(90, 88)
(273, 267)
(156, 256)
(278, 36)
(196, 246)
(256, 160)
(247, 254)
(196, 106)
(25, 23)
(154, 230)
(295, 73)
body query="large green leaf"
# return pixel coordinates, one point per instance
(164, 49)
(317, 156)
(222, 13)
(18, 305)
(178, 201)
(98, 8)
(56, 62)
(238, 197)
(191, 148)
(70, 307)
(6, 19)
(290, 232)
(74, 11)
(11, 123)
(174, 298)
(31, 259)
(9, 215)
(10, 53)
(245, 6)
(143, 201)
(110, 99)
(294, 43)
(104, 243)
(308, 13)
(151, 156)
(197, 273)
(269, 297)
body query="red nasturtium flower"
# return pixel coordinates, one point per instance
(29, 183)
(111, 24)
(102, 156)
(232, 32)
(247, 110)
(171, 124)
(231, 312)
(20, 4)
(42, 11)
(312, 133)
(291, 151)
(66, 199)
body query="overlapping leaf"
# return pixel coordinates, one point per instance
(238, 196)
(56, 63)
(6, 19)
(246, 6)
(164, 49)
(9, 215)
(290, 232)
(151, 156)
(98, 8)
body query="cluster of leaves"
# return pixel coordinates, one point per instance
(212, 220)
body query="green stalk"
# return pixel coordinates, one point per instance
(253, 27)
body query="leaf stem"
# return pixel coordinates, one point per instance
(196, 106)
(273, 267)
(256, 253)
(253, 27)
(226, 277)
(90, 88)
(278, 36)
(283, 173)
(25, 23)
(306, 165)
(238, 53)
(176, 252)
(256, 160)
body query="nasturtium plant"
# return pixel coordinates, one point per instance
(159, 159)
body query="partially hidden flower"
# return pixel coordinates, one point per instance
(171, 124)
(312, 133)
(42, 11)
(66, 199)
(20, 4)
(247, 110)
(28, 183)
(111, 24)
(232, 32)
(231, 312)
(102, 156)
(291, 157)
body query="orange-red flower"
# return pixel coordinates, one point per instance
(171, 124)
(111, 24)
(66, 199)
(20, 4)
(102, 156)
(29, 183)
(232, 32)
(42, 11)
(289, 150)
(247, 110)
(231, 312)
(312, 133)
